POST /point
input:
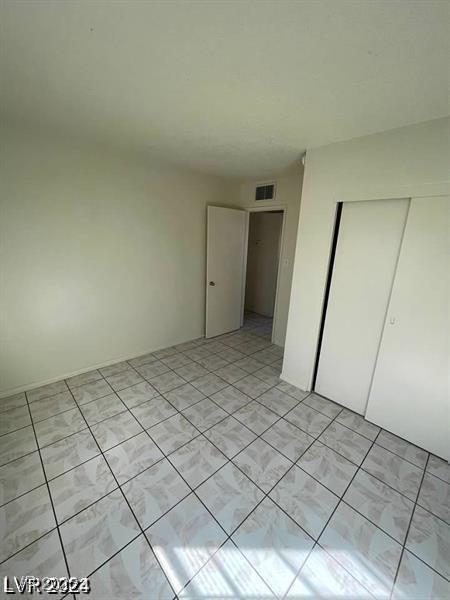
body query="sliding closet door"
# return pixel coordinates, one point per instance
(410, 391)
(368, 245)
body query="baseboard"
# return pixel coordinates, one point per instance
(34, 385)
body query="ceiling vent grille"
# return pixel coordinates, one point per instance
(265, 191)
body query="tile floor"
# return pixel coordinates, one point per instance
(195, 472)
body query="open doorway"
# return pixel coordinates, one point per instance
(263, 258)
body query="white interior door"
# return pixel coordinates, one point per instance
(410, 390)
(226, 257)
(368, 245)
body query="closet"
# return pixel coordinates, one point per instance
(384, 350)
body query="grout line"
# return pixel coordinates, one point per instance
(409, 527)
(124, 497)
(49, 493)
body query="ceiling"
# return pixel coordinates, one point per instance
(234, 88)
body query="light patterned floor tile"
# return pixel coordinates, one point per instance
(91, 391)
(20, 476)
(101, 409)
(358, 423)
(197, 353)
(231, 373)
(230, 436)
(133, 456)
(402, 448)
(47, 390)
(68, 453)
(327, 466)
(132, 573)
(308, 419)
(14, 418)
(58, 427)
(213, 362)
(417, 581)
(167, 381)
(252, 386)
(262, 463)
(154, 369)
(184, 396)
(83, 378)
(152, 412)
(172, 433)
(230, 496)
(230, 399)
(287, 439)
(137, 394)
(16, 444)
(163, 352)
(176, 360)
(95, 534)
(114, 369)
(439, 468)
(326, 407)
(296, 392)
(154, 492)
(204, 414)
(142, 360)
(365, 551)
(278, 401)
(231, 355)
(226, 576)
(75, 490)
(120, 381)
(274, 545)
(15, 401)
(256, 417)
(434, 495)
(40, 558)
(323, 577)
(345, 441)
(191, 371)
(209, 384)
(184, 539)
(393, 470)
(24, 520)
(48, 407)
(429, 539)
(382, 505)
(115, 430)
(305, 500)
(197, 460)
(249, 364)
(269, 374)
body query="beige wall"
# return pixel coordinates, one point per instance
(289, 191)
(264, 236)
(408, 162)
(102, 257)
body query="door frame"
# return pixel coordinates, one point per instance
(271, 208)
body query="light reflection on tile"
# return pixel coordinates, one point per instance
(323, 577)
(226, 576)
(416, 580)
(184, 539)
(274, 545)
(365, 551)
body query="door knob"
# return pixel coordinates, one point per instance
(212, 283)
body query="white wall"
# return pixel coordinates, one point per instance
(289, 192)
(102, 257)
(408, 162)
(264, 235)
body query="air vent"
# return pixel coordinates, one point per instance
(265, 191)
